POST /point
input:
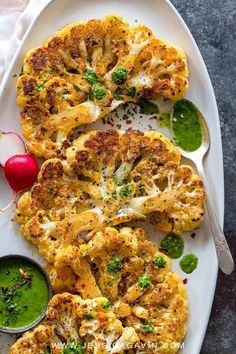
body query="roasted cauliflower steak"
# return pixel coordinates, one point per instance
(86, 70)
(108, 178)
(73, 325)
(137, 305)
(128, 270)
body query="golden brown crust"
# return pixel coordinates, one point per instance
(55, 96)
(67, 325)
(108, 178)
(111, 177)
(119, 260)
(152, 313)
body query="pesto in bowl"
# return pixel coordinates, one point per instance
(24, 293)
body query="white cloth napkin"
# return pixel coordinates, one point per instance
(15, 18)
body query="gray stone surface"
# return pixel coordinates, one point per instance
(213, 25)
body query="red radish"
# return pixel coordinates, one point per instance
(21, 169)
(10, 144)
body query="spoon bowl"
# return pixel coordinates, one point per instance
(225, 258)
(200, 153)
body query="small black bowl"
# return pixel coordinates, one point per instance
(10, 330)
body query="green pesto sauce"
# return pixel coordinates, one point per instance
(23, 293)
(188, 263)
(172, 245)
(163, 120)
(185, 125)
(147, 107)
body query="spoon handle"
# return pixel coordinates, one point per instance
(225, 259)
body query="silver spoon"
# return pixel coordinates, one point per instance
(225, 259)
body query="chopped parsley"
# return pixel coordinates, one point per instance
(147, 328)
(119, 76)
(106, 304)
(159, 261)
(125, 116)
(144, 282)
(114, 195)
(119, 212)
(39, 87)
(115, 265)
(126, 192)
(91, 77)
(89, 316)
(131, 91)
(158, 345)
(51, 190)
(98, 91)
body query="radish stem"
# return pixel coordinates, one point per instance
(10, 203)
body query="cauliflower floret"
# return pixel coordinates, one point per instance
(75, 324)
(136, 278)
(86, 70)
(177, 199)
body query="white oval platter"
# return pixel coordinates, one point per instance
(166, 23)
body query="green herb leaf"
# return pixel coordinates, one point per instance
(89, 316)
(91, 77)
(126, 192)
(147, 328)
(119, 76)
(39, 87)
(114, 195)
(144, 281)
(106, 304)
(115, 265)
(159, 261)
(51, 190)
(131, 91)
(98, 92)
